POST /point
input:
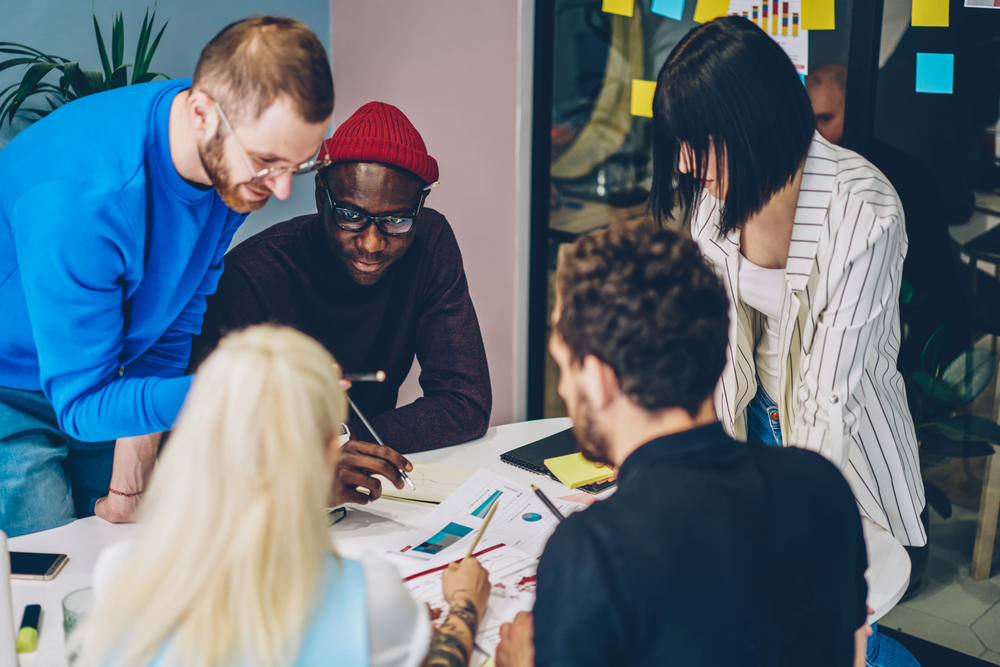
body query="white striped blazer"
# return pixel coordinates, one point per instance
(839, 334)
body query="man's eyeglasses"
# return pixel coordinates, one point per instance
(257, 177)
(351, 220)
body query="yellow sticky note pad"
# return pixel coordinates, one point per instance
(574, 471)
(818, 15)
(642, 97)
(706, 10)
(930, 13)
(621, 7)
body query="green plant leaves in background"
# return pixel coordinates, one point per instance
(74, 81)
(965, 436)
(963, 380)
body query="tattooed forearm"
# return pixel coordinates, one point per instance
(451, 646)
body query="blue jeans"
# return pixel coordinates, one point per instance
(763, 427)
(886, 652)
(47, 478)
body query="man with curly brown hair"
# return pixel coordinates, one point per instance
(712, 551)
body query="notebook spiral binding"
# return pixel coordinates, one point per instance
(538, 470)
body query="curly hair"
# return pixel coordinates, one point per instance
(641, 299)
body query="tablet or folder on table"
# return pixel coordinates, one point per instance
(532, 457)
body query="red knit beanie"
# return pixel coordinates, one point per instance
(379, 132)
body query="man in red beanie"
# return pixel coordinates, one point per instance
(377, 278)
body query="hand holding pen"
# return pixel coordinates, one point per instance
(359, 460)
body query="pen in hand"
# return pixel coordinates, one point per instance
(377, 376)
(402, 473)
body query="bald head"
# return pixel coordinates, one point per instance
(827, 86)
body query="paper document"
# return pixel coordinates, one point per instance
(512, 573)
(434, 482)
(781, 20)
(521, 521)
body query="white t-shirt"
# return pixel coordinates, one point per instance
(399, 628)
(761, 289)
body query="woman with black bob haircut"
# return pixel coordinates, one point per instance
(809, 241)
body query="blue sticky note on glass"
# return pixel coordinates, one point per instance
(672, 9)
(935, 73)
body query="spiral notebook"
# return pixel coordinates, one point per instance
(531, 457)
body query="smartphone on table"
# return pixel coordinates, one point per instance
(37, 567)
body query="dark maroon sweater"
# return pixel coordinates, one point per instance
(421, 307)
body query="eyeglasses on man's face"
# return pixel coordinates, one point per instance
(352, 220)
(258, 177)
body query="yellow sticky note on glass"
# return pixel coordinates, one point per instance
(642, 97)
(706, 10)
(930, 13)
(818, 15)
(574, 471)
(622, 7)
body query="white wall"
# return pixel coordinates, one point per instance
(65, 28)
(457, 68)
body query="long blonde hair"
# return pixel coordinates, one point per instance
(235, 533)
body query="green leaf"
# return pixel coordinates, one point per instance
(140, 47)
(937, 445)
(149, 76)
(968, 428)
(22, 49)
(933, 387)
(76, 79)
(117, 42)
(14, 62)
(906, 292)
(970, 374)
(929, 358)
(937, 499)
(28, 83)
(120, 78)
(95, 82)
(152, 48)
(105, 64)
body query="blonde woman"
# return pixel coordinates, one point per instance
(235, 564)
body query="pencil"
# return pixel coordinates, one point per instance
(377, 376)
(482, 528)
(364, 421)
(548, 503)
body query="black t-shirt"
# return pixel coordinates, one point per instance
(712, 552)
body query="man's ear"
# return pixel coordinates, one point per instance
(203, 115)
(319, 194)
(599, 382)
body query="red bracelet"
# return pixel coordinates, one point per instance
(127, 495)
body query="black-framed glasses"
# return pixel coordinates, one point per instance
(257, 177)
(352, 220)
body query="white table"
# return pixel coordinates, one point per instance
(368, 528)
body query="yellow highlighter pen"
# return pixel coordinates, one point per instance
(27, 636)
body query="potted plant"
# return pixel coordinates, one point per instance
(48, 95)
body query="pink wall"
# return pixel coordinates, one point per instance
(452, 66)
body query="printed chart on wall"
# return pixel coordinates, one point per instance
(512, 573)
(521, 520)
(782, 20)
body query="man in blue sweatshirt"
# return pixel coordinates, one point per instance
(115, 212)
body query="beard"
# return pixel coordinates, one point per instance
(214, 162)
(593, 444)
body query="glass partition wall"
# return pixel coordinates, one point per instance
(922, 104)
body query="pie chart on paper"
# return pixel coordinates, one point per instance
(531, 516)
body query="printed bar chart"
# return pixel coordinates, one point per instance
(484, 509)
(443, 539)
